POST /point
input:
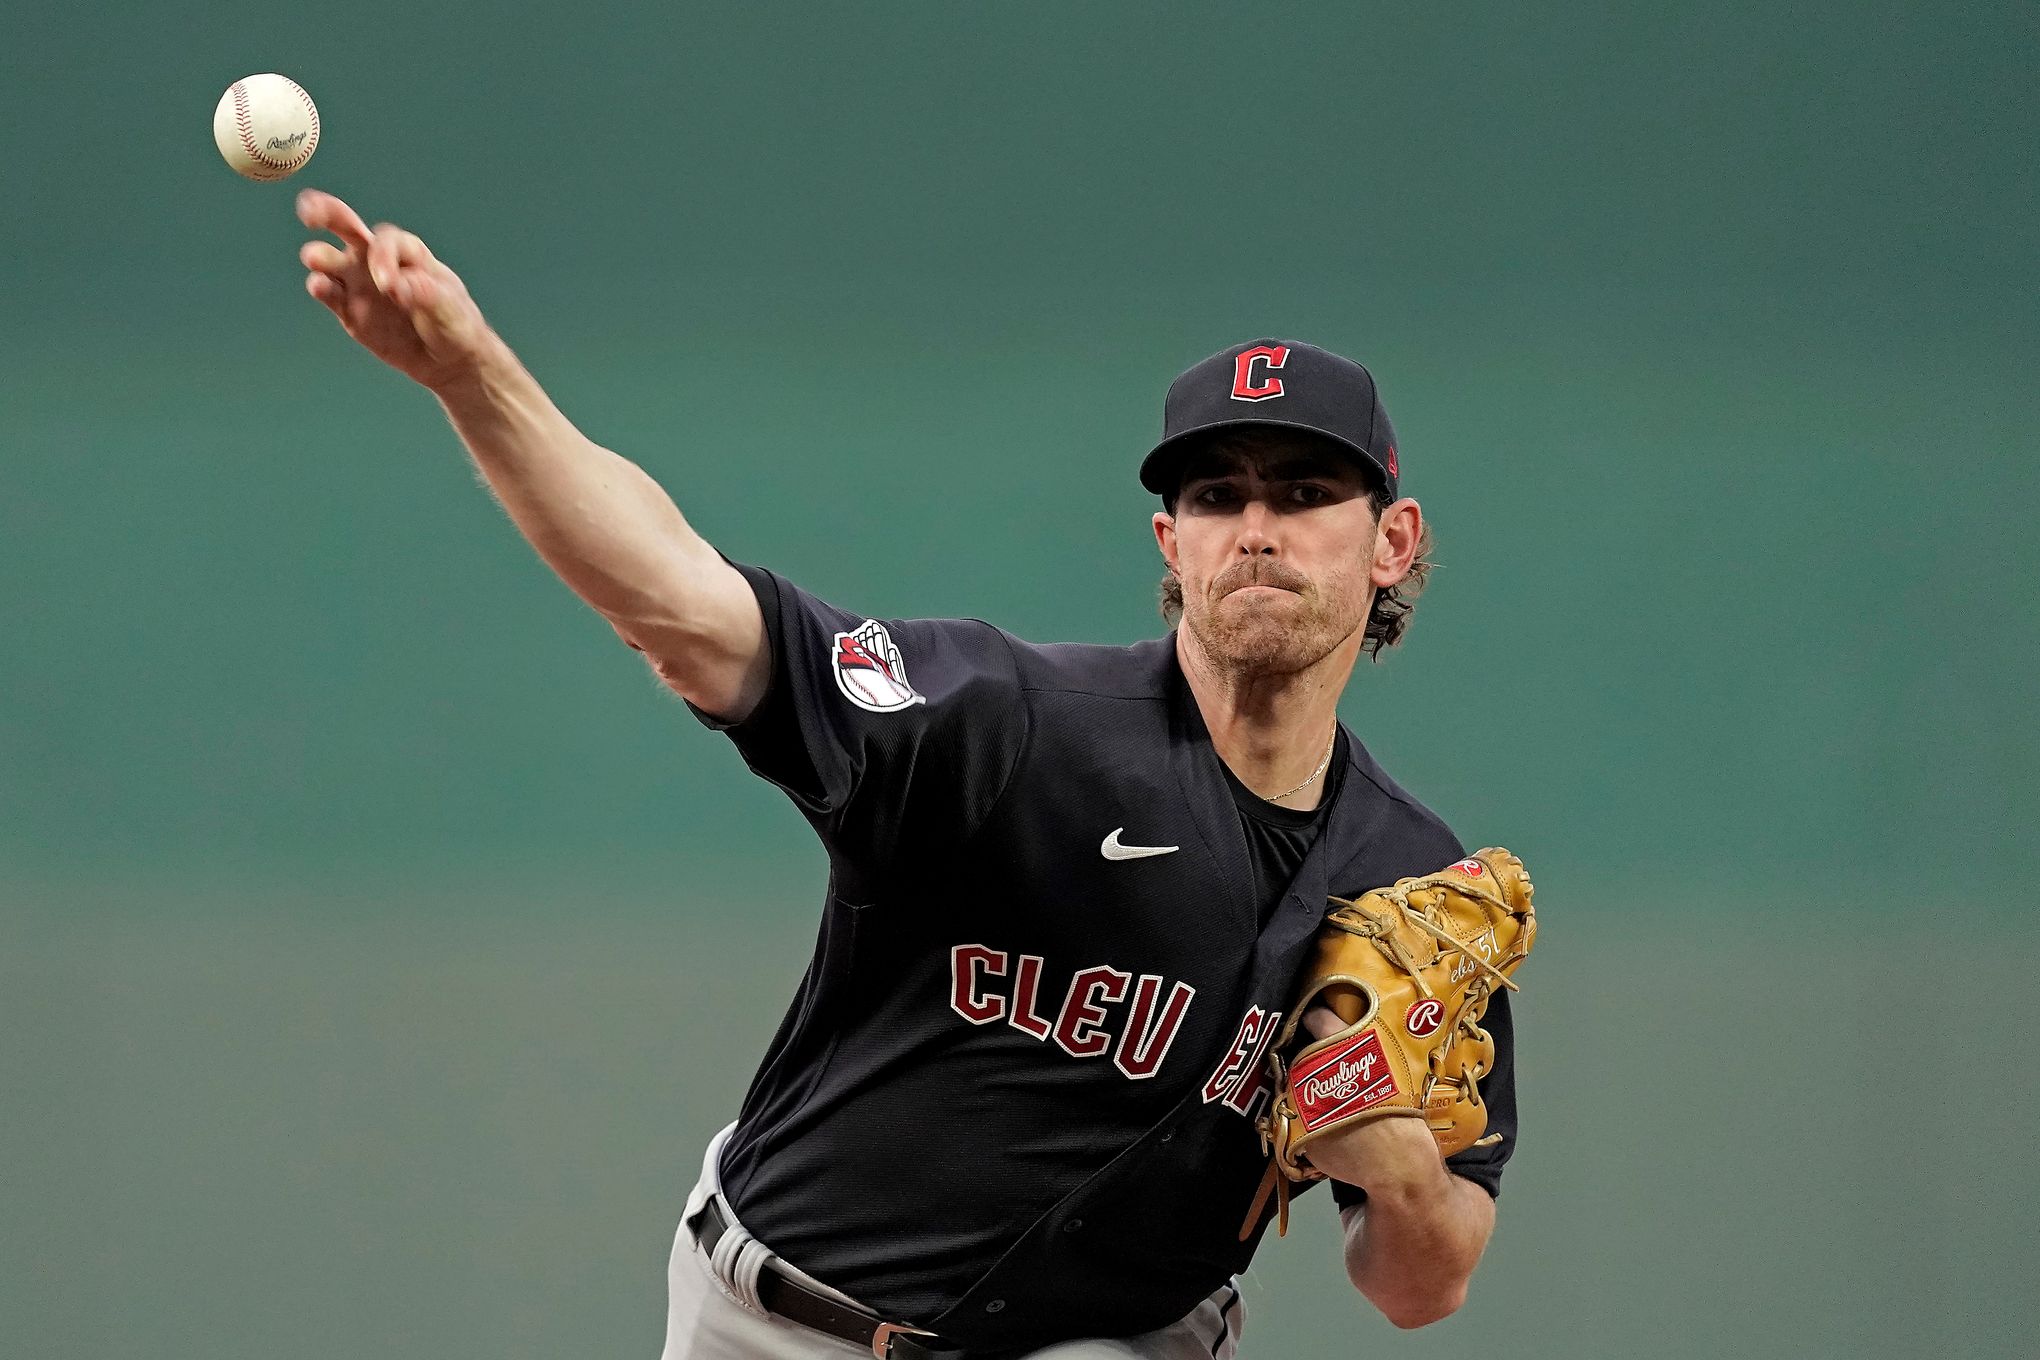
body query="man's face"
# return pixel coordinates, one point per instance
(1274, 541)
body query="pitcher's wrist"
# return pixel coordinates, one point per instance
(492, 372)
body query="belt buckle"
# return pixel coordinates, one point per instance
(882, 1339)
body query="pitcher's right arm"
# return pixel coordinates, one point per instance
(599, 521)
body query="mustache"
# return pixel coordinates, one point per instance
(1258, 572)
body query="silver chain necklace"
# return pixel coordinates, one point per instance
(1314, 773)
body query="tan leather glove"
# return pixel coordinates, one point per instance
(1409, 969)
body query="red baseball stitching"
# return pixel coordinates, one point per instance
(243, 119)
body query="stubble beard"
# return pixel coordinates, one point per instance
(1268, 635)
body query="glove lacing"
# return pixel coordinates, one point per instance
(1355, 918)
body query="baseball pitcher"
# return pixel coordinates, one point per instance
(1121, 947)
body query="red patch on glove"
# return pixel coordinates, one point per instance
(1342, 1080)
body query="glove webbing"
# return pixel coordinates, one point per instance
(1376, 928)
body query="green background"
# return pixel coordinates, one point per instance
(379, 943)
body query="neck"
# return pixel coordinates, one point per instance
(1270, 730)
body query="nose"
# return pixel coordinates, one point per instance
(1257, 530)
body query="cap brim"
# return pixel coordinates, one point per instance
(1161, 472)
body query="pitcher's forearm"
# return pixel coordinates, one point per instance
(599, 521)
(608, 530)
(1412, 1250)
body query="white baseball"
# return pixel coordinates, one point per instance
(266, 126)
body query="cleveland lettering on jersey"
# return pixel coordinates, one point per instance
(1083, 1026)
(1238, 1080)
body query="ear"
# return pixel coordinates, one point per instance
(1165, 537)
(1395, 543)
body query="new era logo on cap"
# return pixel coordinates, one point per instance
(1284, 384)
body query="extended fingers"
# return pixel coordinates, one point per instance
(326, 289)
(321, 211)
(391, 248)
(395, 262)
(325, 258)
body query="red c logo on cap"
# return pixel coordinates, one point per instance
(1244, 388)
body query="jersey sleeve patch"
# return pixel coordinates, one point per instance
(870, 671)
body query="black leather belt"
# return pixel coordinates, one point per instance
(787, 1298)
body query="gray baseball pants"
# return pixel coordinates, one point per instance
(712, 1310)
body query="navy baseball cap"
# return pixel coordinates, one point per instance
(1279, 384)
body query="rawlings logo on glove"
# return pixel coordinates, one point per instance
(1341, 1081)
(1408, 970)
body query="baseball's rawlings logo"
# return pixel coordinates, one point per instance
(1341, 1081)
(1424, 1016)
(1244, 385)
(869, 670)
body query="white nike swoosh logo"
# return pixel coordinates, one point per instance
(1112, 849)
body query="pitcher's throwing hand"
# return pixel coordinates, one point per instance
(391, 295)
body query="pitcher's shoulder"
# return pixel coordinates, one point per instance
(1404, 836)
(1143, 670)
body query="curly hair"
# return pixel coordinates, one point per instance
(1389, 617)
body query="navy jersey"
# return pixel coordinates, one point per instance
(1013, 1099)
